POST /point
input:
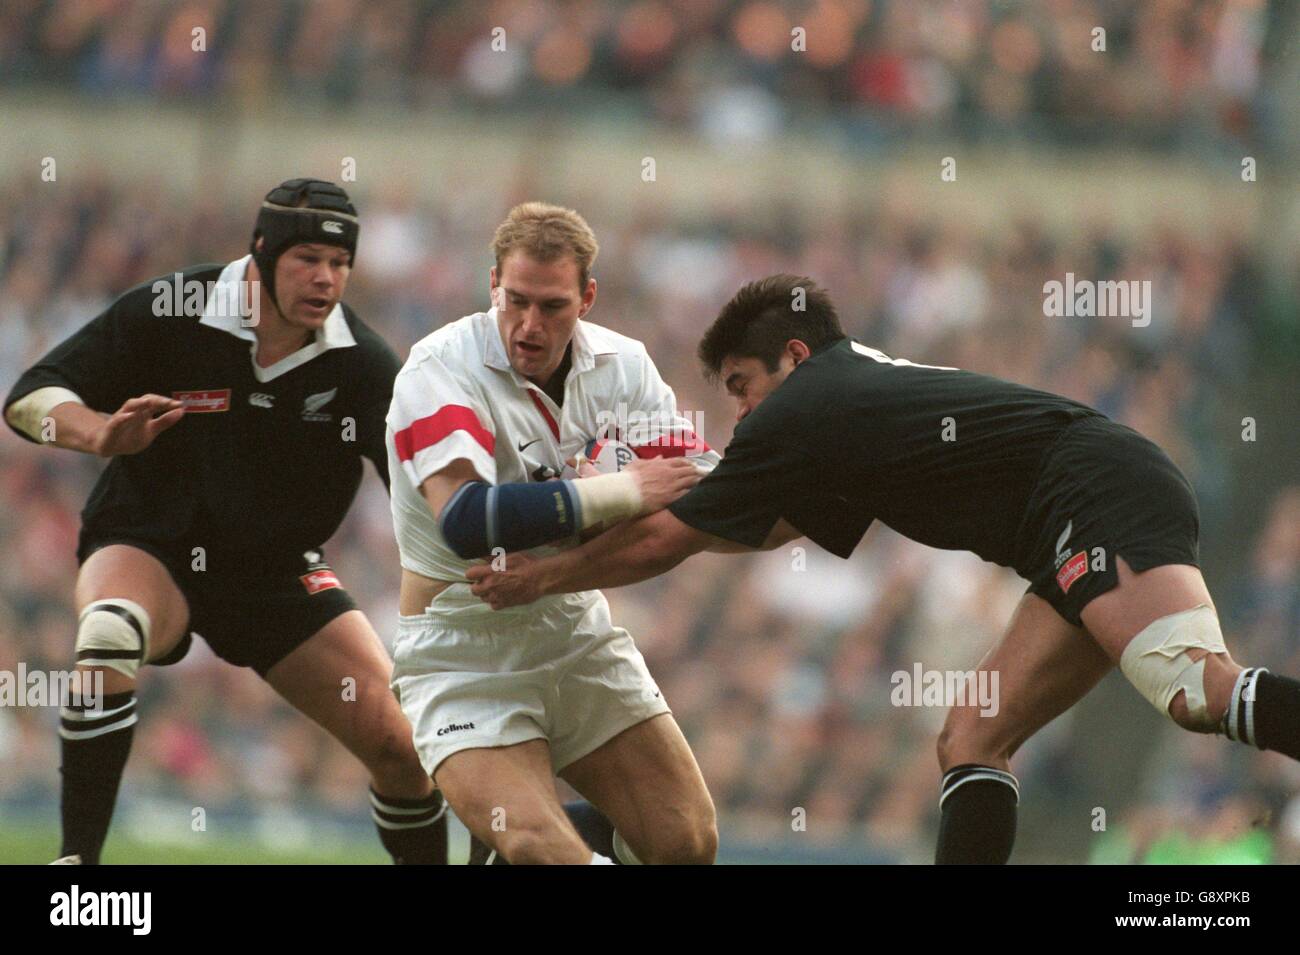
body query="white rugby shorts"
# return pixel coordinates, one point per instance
(558, 669)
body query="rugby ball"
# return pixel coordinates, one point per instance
(609, 455)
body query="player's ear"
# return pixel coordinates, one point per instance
(797, 350)
(588, 298)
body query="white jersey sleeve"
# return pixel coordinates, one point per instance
(665, 431)
(437, 417)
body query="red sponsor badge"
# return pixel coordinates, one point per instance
(198, 402)
(1073, 569)
(319, 580)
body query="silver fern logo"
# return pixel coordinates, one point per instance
(312, 404)
(1061, 554)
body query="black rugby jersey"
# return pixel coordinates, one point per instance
(265, 462)
(943, 456)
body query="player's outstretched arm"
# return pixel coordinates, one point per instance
(72, 425)
(477, 517)
(631, 552)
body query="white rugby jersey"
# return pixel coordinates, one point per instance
(458, 397)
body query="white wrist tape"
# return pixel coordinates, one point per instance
(607, 498)
(28, 413)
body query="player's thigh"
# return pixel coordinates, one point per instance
(1141, 598)
(1044, 665)
(500, 792)
(339, 678)
(646, 780)
(123, 571)
(1115, 617)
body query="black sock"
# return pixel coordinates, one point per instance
(414, 831)
(95, 744)
(978, 816)
(1264, 711)
(596, 831)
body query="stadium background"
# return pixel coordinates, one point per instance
(1122, 164)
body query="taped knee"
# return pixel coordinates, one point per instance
(114, 633)
(1157, 663)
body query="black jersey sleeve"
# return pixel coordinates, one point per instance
(768, 472)
(832, 523)
(381, 370)
(742, 498)
(99, 361)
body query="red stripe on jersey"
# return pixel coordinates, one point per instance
(426, 432)
(672, 446)
(555, 428)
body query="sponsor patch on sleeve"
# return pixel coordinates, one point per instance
(198, 402)
(319, 580)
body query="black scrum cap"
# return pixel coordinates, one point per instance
(302, 210)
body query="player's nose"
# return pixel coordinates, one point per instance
(532, 320)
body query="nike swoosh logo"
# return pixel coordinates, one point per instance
(525, 447)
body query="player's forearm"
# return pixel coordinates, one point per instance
(77, 427)
(627, 554)
(65, 424)
(479, 517)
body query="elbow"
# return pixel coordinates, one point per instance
(670, 543)
(464, 542)
(463, 522)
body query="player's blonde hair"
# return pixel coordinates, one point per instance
(546, 233)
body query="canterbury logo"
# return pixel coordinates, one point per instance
(314, 403)
(332, 227)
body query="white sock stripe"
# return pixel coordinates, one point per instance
(982, 772)
(418, 824)
(83, 715)
(385, 824)
(1249, 693)
(1230, 727)
(967, 775)
(91, 734)
(382, 806)
(492, 857)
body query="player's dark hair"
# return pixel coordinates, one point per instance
(763, 316)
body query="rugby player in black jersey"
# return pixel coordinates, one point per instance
(833, 435)
(235, 404)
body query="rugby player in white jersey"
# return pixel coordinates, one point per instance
(486, 412)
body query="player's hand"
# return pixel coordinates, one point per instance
(582, 465)
(134, 426)
(512, 586)
(663, 480)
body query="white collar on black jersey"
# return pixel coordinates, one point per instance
(333, 334)
(589, 342)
